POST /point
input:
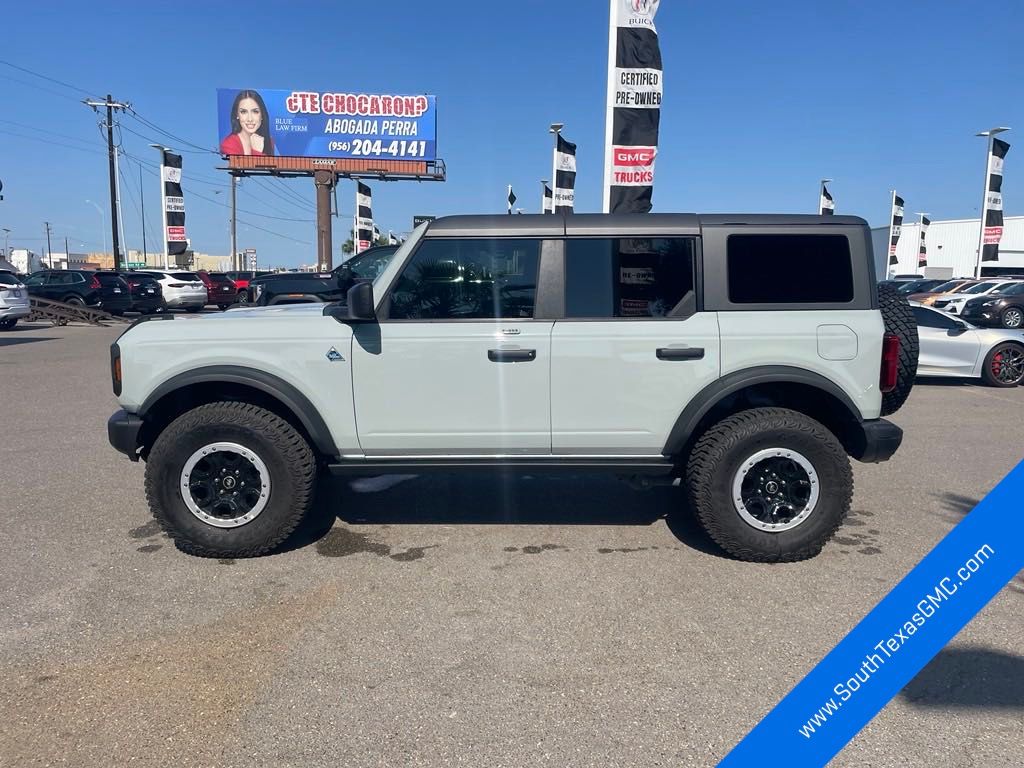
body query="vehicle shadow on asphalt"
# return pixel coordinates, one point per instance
(9, 342)
(498, 500)
(976, 678)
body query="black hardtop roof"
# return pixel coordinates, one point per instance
(619, 224)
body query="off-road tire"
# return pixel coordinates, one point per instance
(899, 320)
(289, 459)
(722, 450)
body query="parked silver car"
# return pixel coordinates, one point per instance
(13, 301)
(953, 347)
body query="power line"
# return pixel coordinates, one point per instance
(154, 141)
(46, 77)
(44, 130)
(177, 138)
(40, 88)
(51, 142)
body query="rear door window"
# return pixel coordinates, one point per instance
(629, 278)
(789, 269)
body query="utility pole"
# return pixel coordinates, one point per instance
(67, 252)
(110, 106)
(49, 251)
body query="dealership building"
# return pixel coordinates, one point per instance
(952, 249)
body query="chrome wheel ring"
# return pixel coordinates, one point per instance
(225, 485)
(775, 490)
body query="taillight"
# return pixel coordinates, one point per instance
(115, 368)
(890, 362)
(94, 283)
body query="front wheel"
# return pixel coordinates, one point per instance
(1012, 317)
(230, 479)
(1004, 365)
(243, 298)
(770, 485)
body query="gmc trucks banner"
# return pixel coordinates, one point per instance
(992, 216)
(326, 124)
(634, 106)
(174, 204)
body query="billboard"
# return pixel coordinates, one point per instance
(315, 124)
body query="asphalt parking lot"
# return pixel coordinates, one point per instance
(461, 621)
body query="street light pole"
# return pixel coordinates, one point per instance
(7, 243)
(103, 225)
(990, 134)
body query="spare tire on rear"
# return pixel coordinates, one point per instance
(899, 320)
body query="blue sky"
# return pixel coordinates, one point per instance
(761, 101)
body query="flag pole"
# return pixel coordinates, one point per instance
(609, 107)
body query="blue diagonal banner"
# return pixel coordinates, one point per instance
(890, 645)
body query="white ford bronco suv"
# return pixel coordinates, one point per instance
(748, 355)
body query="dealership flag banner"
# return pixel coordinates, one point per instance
(174, 204)
(633, 109)
(364, 218)
(896, 226)
(565, 175)
(906, 630)
(992, 216)
(826, 206)
(511, 198)
(546, 203)
(922, 249)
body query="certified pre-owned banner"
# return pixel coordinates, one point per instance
(634, 106)
(895, 226)
(326, 124)
(896, 639)
(174, 204)
(992, 216)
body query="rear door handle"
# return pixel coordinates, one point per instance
(511, 355)
(680, 353)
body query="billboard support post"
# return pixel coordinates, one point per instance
(324, 181)
(235, 258)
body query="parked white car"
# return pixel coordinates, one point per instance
(954, 302)
(952, 347)
(181, 290)
(13, 301)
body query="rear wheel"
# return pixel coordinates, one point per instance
(75, 301)
(1012, 317)
(1004, 365)
(770, 484)
(243, 297)
(229, 479)
(899, 320)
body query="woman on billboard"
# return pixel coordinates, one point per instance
(250, 130)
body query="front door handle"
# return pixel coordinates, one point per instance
(680, 353)
(511, 355)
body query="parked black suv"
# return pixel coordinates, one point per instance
(72, 286)
(306, 287)
(1005, 308)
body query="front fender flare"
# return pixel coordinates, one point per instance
(274, 386)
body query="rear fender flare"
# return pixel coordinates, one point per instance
(736, 381)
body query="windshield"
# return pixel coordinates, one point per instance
(6, 278)
(948, 286)
(371, 263)
(911, 286)
(980, 287)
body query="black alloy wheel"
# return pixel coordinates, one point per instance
(1004, 365)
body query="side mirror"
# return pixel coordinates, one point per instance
(959, 326)
(360, 302)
